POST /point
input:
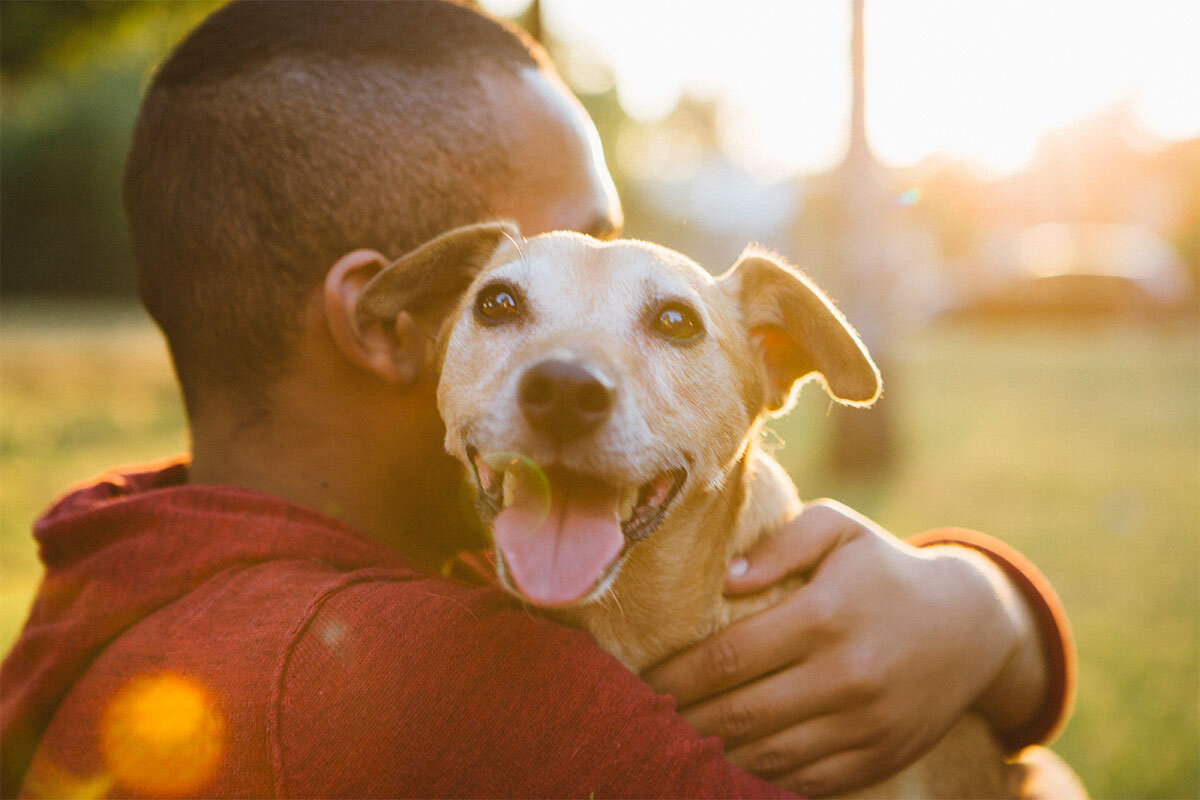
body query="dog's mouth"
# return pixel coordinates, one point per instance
(560, 534)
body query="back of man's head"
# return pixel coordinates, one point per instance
(280, 135)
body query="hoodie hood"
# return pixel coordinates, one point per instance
(125, 545)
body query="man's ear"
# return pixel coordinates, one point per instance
(428, 282)
(799, 334)
(381, 314)
(390, 351)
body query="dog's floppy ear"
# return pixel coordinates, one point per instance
(799, 334)
(428, 282)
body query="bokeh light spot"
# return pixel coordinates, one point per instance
(162, 734)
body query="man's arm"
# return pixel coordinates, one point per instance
(1000, 704)
(862, 669)
(432, 689)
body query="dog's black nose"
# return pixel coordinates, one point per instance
(564, 399)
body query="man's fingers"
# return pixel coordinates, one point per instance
(747, 649)
(840, 772)
(798, 547)
(799, 747)
(766, 706)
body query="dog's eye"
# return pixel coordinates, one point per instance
(497, 303)
(677, 323)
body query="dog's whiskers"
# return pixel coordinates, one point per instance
(610, 592)
(516, 245)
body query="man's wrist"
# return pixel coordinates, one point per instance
(1054, 642)
(1018, 691)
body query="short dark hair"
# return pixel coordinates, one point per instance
(280, 135)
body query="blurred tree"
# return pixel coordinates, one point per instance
(862, 438)
(32, 31)
(70, 86)
(61, 226)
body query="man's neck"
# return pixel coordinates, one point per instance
(350, 469)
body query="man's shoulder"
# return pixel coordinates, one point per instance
(437, 689)
(231, 644)
(443, 689)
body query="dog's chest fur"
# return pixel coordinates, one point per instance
(670, 596)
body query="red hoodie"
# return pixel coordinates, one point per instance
(210, 641)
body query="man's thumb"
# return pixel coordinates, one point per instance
(795, 549)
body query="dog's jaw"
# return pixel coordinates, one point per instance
(561, 536)
(671, 590)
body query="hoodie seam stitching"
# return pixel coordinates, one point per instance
(275, 707)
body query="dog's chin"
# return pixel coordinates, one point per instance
(508, 486)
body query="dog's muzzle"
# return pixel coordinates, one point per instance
(560, 534)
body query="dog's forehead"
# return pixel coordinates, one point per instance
(569, 264)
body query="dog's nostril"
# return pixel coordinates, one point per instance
(536, 389)
(593, 397)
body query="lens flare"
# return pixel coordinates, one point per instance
(162, 734)
(49, 780)
(525, 484)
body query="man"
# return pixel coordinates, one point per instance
(267, 618)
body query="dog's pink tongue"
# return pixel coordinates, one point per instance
(555, 555)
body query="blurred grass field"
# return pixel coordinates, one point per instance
(1080, 445)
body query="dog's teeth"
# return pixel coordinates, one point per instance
(487, 475)
(510, 487)
(660, 490)
(628, 503)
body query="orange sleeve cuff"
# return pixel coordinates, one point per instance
(1054, 631)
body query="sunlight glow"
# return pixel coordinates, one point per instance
(759, 61)
(984, 82)
(980, 82)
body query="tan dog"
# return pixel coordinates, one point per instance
(633, 385)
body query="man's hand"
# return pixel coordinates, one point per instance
(858, 672)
